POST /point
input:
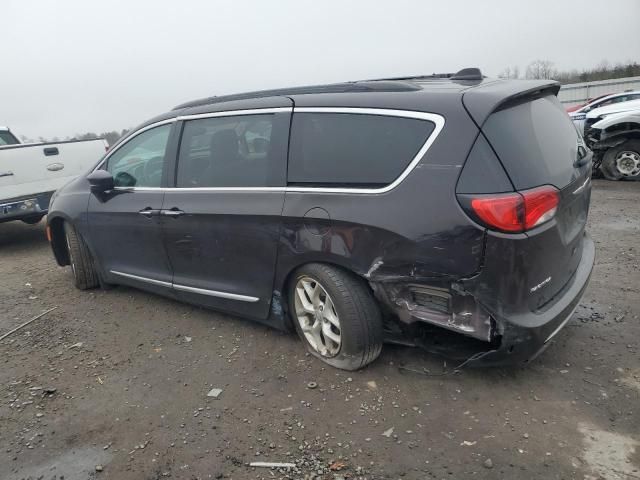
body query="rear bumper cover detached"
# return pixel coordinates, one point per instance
(527, 335)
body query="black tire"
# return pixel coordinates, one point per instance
(33, 220)
(84, 273)
(360, 319)
(609, 167)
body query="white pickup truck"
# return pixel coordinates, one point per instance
(31, 172)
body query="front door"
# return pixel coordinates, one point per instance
(221, 222)
(125, 224)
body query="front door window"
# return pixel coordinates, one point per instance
(139, 162)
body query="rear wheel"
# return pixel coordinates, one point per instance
(84, 273)
(622, 161)
(336, 316)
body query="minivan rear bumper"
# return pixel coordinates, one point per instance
(527, 335)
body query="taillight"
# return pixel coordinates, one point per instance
(515, 212)
(540, 205)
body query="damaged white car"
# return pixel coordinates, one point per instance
(615, 141)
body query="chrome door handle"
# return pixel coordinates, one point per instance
(6, 174)
(174, 212)
(148, 212)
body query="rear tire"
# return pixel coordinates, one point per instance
(322, 299)
(84, 273)
(622, 161)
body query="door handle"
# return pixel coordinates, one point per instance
(148, 212)
(6, 174)
(49, 151)
(174, 212)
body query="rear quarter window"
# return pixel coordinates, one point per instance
(353, 149)
(536, 142)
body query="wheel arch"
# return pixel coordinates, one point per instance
(286, 273)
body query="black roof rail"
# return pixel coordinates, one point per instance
(472, 73)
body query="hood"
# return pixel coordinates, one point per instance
(615, 118)
(615, 108)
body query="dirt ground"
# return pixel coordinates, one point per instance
(113, 384)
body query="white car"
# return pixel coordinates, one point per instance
(615, 141)
(579, 116)
(31, 172)
(598, 114)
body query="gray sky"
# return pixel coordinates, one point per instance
(73, 66)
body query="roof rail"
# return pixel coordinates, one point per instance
(464, 74)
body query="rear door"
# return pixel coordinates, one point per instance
(221, 221)
(537, 145)
(124, 224)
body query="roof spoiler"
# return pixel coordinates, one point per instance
(489, 97)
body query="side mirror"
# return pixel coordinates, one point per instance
(586, 109)
(100, 181)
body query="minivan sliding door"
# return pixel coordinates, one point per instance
(221, 222)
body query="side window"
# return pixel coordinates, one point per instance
(233, 151)
(139, 162)
(353, 149)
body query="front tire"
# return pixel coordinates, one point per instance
(622, 161)
(335, 316)
(85, 275)
(33, 220)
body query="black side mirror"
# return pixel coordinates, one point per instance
(100, 181)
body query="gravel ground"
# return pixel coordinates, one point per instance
(113, 384)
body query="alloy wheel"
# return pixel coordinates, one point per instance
(317, 317)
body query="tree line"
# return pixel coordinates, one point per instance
(545, 69)
(111, 137)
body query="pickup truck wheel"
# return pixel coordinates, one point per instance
(84, 273)
(336, 316)
(622, 161)
(33, 220)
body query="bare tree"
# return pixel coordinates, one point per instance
(541, 69)
(510, 72)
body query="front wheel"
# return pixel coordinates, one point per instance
(336, 316)
(32, 220)
(85, 275)
(622, 161)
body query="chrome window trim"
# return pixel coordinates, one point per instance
(233, 113)
(437, 119)
(226, 113)
(185, 288)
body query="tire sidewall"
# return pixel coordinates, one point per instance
(349, 356)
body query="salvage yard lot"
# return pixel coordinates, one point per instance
(119, 379)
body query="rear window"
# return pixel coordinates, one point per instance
(7, 138)
(536, 142)
(353, 149)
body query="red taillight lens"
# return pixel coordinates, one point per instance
(502, 212)
(518, 211)
(540, 205)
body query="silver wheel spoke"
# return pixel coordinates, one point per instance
(306, 305)
(330, 314)
(317, 317)
(328, 333)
